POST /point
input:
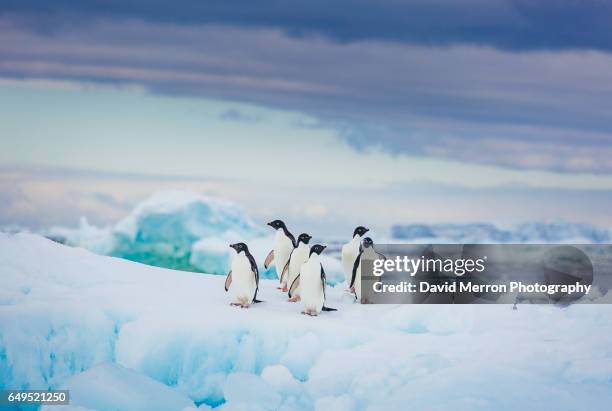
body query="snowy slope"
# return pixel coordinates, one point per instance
(65, 310)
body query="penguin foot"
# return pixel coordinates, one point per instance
(294, 299)
(284, 289)
(245, 306)
(236, 304)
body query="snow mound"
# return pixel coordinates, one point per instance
(109, 387)
(65, 311)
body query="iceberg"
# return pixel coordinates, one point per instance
(536, 233)
(171, 229)
(162, 230)
(184, 231)
(69, 317)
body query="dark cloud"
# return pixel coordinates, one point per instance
(507, 24)
(541, 110)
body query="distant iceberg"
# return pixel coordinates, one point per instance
(172, 229)
(488, 233)
(184, 231)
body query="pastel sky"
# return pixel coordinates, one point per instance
(495, 110)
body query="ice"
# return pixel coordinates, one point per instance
(340, 403)
(172, 229)
(108, 387)
(249, 392)
(67, 313)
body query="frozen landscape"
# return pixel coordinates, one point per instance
(122, 335)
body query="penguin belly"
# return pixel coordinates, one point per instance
(350, 251)
(282, 249)
(298, 258)
(311, 285)
(243, 280)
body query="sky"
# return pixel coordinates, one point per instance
(492, 110)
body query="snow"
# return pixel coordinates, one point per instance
(68, 316)
(247, 391)
(110, 386)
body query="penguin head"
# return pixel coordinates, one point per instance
(367, 242)
(239, 247)
(276, 224)
(360, 231)
(317, 249)
(304, 238)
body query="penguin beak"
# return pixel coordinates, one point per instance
(233, 246)
(323, 248)
(366, 230)
(270, 224)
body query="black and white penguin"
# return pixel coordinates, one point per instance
(298, 256)
(284, 243)
(312, 283)
(243, 277)
(367, 248)
(350, 251)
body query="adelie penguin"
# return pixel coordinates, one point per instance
(243, 277)
(350, 250)
(367, 250)
(298, 256)
(284, 243)
(312, 283)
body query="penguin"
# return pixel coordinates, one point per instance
(367, 246)
(298, 256)
(311, 280)
(284, 243)
(350, 251)
(243, 277)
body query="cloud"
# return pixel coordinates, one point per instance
(505, 24)
(239, 116)
(538, 110)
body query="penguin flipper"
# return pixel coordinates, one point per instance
(294, 285)
(285, 271)
(228, 280)
(328, 309)
(269, 259)
(355, 267)
(323, 281)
